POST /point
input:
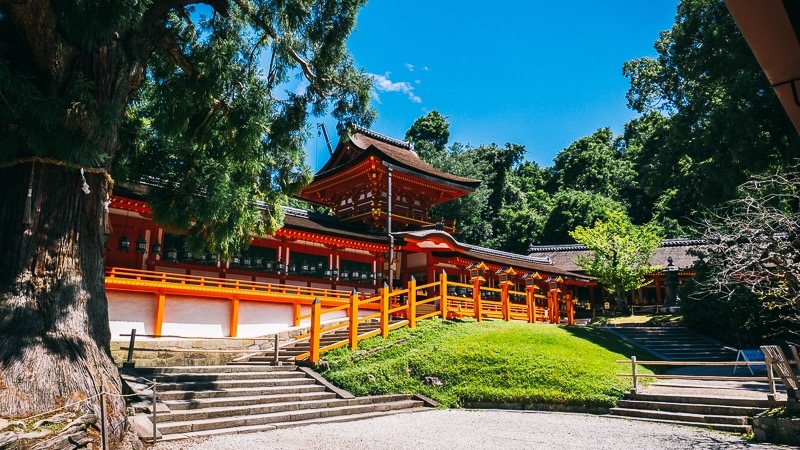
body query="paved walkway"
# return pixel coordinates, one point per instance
(479, 430)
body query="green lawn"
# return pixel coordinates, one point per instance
(491, 361)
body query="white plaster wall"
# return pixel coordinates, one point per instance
(261, 318)
(170, 269)
(236, 276)
(204, 273)
(128, 310)
(268, 280)
(195, 317)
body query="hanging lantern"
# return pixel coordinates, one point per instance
(365, 276)
(156, 248)
(172, 254)
(335, 273)
(304, 269)
(281, 266)
(530, 279)
(124, 244)
(356, 275)
(269, 266)
(187, 255)
(141, 245)
(328, 274)
(246, 261)
(258, 262)
(293, 268)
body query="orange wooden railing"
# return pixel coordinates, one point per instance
(392, 308)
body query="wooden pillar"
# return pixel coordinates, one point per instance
(234, 316)
(385, 311)
(443, 293)
(504, 302)
(659, 295)
(353, 331)
(531, 302)
(296, 310)
(412, 303)
(570, 301)
(161, 300)
(313, 351)
(476, 299)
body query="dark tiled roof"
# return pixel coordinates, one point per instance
(527, 262)
(565, 256)
(310, 221)
(397, 152)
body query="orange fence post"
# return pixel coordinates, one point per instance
(412, 303)
(476, 299)
(443, 293)
(504, 302)
(234, 316)
(551, 305)
(313, 351)
(161, 300)
(296, 313)
(385, 311)
(531, 302)
(353, 320)
(570, 309)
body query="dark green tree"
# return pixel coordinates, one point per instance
(429, 134)
(725, 122)
(154, 88)
(593, 164)
(571, 209)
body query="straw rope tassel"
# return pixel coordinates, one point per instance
(27, 216)
(106, 222)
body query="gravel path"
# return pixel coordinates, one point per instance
(478, 430)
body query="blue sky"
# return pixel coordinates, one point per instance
(537, 73)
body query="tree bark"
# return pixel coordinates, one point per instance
(54, 331)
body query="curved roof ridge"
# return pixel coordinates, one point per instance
(383, 138)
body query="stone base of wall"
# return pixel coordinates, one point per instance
(162, 352)
(778, 430)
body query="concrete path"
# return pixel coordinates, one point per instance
(479, 430)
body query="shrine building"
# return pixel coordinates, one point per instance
(380, 233)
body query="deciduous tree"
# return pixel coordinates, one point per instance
(620, 253)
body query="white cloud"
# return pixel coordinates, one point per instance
(410, 67)
(384, 84)
(425, 68)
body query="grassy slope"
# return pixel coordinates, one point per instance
(490, 361)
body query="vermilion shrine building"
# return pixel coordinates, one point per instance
(160, 289)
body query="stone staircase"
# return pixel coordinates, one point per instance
(718, 413)
(690, 405)
(676, 344)
(207, 400)
(288, 352)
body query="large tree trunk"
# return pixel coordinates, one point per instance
(54, 331)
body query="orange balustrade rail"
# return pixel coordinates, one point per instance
(341, 309)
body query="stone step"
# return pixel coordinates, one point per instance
(742, 429)
(219, 412)
(298, 379)
(693, 408)
(210, 369)
(239, 392)
(221, 402)
(284, 416)
(702, 399)
(290, 424)
(224, 376)
(704, 419)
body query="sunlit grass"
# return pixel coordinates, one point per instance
(491, 361)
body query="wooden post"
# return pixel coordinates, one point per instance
(476, 299)
(412, 303)
(234, 316)
(530, 300)
(633, 372)
(443, 293)
(162, 300)
(353, 331)
(385, 311)
(552, 302)
(296, 309)
(504, 302)
(315, 330)
(770, 376)
(570, 309)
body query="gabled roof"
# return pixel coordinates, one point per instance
(398, 153)
(491, 256)
(566, 256)
(301, 219)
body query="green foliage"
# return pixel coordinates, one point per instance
(621, 253)
(593, 164)
(487, 362)
(177, 97)
(429, 134)
(571, 209)
(723, 121)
